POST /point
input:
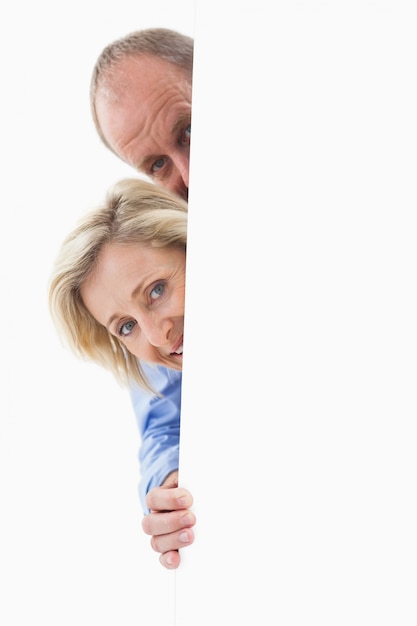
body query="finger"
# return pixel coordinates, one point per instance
(166, 523)
(173, 541)
(171, 480)
(162, 499)
(171, 559)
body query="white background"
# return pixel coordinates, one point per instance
(298, 433)
(71, 547)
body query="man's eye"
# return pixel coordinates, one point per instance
(126, 328)
(157, 165)
(157, 291)
(187, 134)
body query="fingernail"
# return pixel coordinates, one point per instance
(183, 537)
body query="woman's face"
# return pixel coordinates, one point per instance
(138, 293)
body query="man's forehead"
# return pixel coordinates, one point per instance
(139, 71)
(140, 86)
(146, 111)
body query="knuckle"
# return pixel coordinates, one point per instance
(146, 524)
(150, 499)
(155, 544)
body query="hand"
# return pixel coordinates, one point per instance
(170, 520)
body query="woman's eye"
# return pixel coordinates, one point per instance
(157, 291)
(126, 328)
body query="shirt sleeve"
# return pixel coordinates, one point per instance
(158, 420)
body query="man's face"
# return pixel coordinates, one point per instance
(148, 124)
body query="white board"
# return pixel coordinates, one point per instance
(299, 390)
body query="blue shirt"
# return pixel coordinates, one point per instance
(158, 421)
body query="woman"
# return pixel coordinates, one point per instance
(117, 297)
(118, 287)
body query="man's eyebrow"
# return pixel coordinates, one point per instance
(145, 163)
(183, 119)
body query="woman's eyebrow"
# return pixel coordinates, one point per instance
(133, 296)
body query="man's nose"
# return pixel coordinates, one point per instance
(183, 166)
(180, 176)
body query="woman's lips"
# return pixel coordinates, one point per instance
(178, 347)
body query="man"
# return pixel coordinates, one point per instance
(141, 104)
(140, 96)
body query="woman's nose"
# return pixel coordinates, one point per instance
(157, 331)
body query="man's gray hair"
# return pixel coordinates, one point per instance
(166, 44)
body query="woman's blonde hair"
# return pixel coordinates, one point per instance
(134, 211)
